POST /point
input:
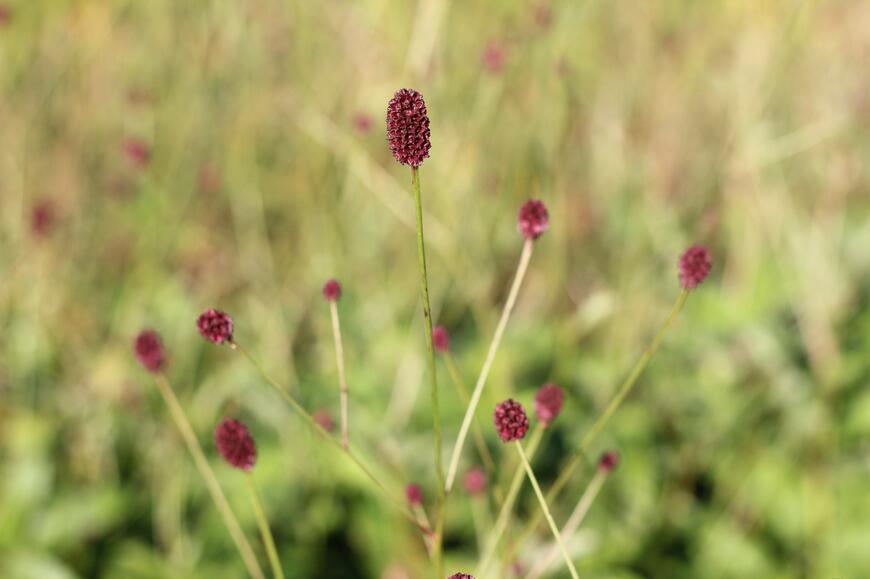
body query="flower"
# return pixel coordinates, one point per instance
(149, 350)
(332, 290)
(494, 57)
(215, 326)
(414, 494)
(42, 218)
(137, 152)
(548, 403)
(694, 267)
(608, 461)
(235, 444)
(475, 481)
(533, 219)
(408, 127)
(511, 420)
(5, 15)
(362, 123)
(440, 339)
(324, 419)
(461, 576)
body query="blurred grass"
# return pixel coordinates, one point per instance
(644, 127)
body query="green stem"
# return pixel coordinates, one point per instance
(546, 510)
(599, 424)
(207, 474)
(264, 528)
(342, 378)
(436, 416)
(477, 433)
(300, 410)
(504, 514)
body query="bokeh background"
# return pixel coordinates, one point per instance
(161, 157)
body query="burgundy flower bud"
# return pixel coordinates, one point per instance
(461, 576)
(215, 326)
(42, 218)
(324, 419)
(548, 403)
(511, 420)
(235, 444)
(440, 339)
(149, 350)
(414, 494)
(533, 219)
(475, 481)
(137, 152)
(494, 57)
(362, 123)
(332, 290)
(408, 127)
(608, 461)
(694, 266)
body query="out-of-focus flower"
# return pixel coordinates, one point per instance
(694, 266)
(440, 339)
(533, 219)
(215, 326)
(511, 420)
(332, 290)
(475, 481)
(149, 350)
(235, 444)
(548, 403)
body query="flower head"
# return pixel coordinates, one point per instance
(235, 444)
(695, 264)
(324, 419)
(440, 339)
(137, 152)
(42, 218)
(548, 403)
(511, 420)
(494, 57)
(215, 326)
(461, 576)
(332, 290)
(362, 123)
(414, 494)
(475, 481)
(533, 219)
(149, 350)
(408, 127)
(608, 461)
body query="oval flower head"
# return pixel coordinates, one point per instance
(533, 219)
(511, 420)
(332, 290)
(695, 264)
(548, 403)
(414, 494)
(440, 339)
(235, 444)
(215, 326)
(608, 461)
(475, 481)
(461, 576)
(149, 350)
(408, 128)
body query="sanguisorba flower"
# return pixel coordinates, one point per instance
(235, 444)
(533, 219)
(332, 290)
(42, 218)
(408, 127)
(608, 461)
(694, 266)
(414, 494)
(149, 350)
(440, 339)
(548, 403)
(475, 481)
(510, 420)
(215, 326)
(461, 576)
(137, 152)
(323, 418)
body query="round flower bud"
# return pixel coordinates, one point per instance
(533, 219)
(215, 326)
(235, 444)
(149, 350)
(475, 481)
(414, 494)
(440, 339)
(694, 266)
(511, 420)
(332, 290)
(548, 403)
(608, 461)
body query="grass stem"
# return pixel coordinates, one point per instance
(263, 523)
(342, 377)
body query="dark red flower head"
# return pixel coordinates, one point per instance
(533, 219)
(408, 127)
(440, 339)
(548, 403)
(235, 444)
(414, 494)
(332, 290)
(149, 350)
(511, 420)
(475, 481)
(215, 326)
(324, 419)
(5, 15)
(42, 218)
(694, 266)
(461, 576)
(608, 461)
(137, 152)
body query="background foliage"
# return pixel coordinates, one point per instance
(645, 126)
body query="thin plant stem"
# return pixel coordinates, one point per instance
(423, 522)
(504, 514)
(342, 378)
(266, 533)
(207, 474)
(546, 510)
(477, 433)
(573, 523)
(304, 414)
(599, 424)
(523, 266)
(430, 350)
